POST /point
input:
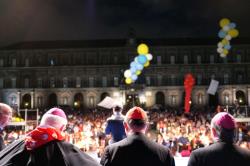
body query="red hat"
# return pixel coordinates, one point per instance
(136, 113)
(55, 117)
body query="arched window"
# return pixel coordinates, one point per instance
(226, 98)
(78, 100)
(65, 100)
(200, 99)
(240, 97)
(91, 101)
(52, 100)
(26, 101)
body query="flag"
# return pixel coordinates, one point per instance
(109, 103)
(213, 87)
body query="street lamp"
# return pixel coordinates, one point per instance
(75, 103)
(26, 104)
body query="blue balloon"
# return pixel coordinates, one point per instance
(227, 46)
(222, 34)
(232, 25)
(142, 59)
(139, 66)
(136, 59)
(133, 69)
(134, 77)
(133, 64)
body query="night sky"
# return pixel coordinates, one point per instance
(34, 20)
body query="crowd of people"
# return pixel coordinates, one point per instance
(181, 133)
(133, 138)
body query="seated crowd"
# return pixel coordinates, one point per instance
(181, 133)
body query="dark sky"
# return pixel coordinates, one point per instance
(27, 20)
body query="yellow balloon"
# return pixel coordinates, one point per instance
(225, 51)
(128, 81)
(224, 22)
(138, 72)
(142, 49)
(233, 32)
(225, 42)
(146, 64)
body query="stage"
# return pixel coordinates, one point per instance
(179, 161)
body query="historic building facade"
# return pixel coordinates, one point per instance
(82, 73)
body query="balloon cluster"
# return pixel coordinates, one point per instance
(136, 67)
(188, 85)
(227, 32)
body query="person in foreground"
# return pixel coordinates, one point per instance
(45, 146)
(115, 126)
(223, 151)
(136, 149)
(5, 117)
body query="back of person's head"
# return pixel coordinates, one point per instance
(117, 107)
(223, 127)
(5, 114)
(55, 118)
(136, 119)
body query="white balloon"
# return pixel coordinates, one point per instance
(220, 50)
(223, 55)
(228, 37)
(226, 28)
(149, 56)
(220, 45)
(127, 73)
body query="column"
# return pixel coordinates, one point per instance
(18, 100)
(32, 99)
(234, 95)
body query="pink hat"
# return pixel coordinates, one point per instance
(55, 117)
(224, 120)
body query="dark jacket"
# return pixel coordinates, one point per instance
(220, 154)
(2, 145)
(115, 128)
(51, 154)
(136, 150)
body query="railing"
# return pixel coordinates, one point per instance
(238, 111)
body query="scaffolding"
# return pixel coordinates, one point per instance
(30, 116)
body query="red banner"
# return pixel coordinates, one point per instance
(188, 85)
